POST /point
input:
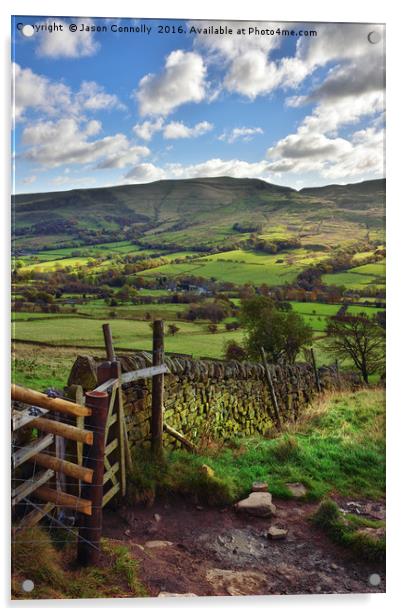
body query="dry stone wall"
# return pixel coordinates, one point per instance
(211, 399)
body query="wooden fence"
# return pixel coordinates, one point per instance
(100, 449)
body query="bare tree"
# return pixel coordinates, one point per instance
(360, 339)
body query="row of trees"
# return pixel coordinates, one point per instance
(283, 333)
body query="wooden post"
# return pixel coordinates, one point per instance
(91, 531)
(338, 374)
(315, 369)
(116, 372)
(110, 351)
(157, 405)
(276, 417)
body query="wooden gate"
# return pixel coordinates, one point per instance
(101, 448)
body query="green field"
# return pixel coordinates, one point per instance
(360, 277)
(241, 266)
(192, 338)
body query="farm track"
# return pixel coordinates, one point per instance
(218, 552)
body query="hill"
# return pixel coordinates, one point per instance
(201, 212)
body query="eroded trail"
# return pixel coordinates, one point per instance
(183, 548)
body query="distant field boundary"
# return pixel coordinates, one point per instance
(96, 348)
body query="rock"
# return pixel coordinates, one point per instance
(157, 544)
(289, 572)
(260, 486)
(236, 583)
(277, 533)
(298, 490)
(372, 533)
(258, 504)
(177, 594)
(207, 470)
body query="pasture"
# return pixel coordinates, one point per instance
(241, 267)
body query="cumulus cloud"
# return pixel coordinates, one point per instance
(251, 70)
(242, 133)
(179, 130)
(45, 96)
(215, 167)
(66, 44)
(182, 81)
(52, 144)
(147, 129)
(330, 158)
(145, 172)
(36, 91)
(351, 91)
(172, 130)
(92, 96)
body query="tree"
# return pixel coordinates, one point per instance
(233, 350)
(280, 332)
(360, 339)
(173, 329)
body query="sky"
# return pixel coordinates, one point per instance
(134, 101)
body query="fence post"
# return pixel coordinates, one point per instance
(90, 535)
(315, 369)
(277, 416)
(157, 404)
(110, 351)
(116, 372)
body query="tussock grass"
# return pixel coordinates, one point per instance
(344, 529)
(338, 446)
(56, 576)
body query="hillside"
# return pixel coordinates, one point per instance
(203, 212)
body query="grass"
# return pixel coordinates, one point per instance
(337, 446)
(369, 275)
(55, 575)
(43, 367)
(242, 266)
(345, 530)
(192, 338)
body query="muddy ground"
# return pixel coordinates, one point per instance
(184, 548)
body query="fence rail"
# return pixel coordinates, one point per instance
(93, 428)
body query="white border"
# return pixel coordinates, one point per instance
(291, 10)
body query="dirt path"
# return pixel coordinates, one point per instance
(219, 552)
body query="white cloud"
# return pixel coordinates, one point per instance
(29, 179)
(217, 167)
(242, 133)
(172, 130)
(93, 128)
(123, 158)
(305, 145)
(93, 97)
(338, 159)
(66, 44)
(251, 70)
(52, 144)
(42, 95)
(350, 92)
(145, 172)
(182, 81)
(179, 130)
(36, 91)
(147, 129)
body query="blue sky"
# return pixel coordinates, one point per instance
(105, 108)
